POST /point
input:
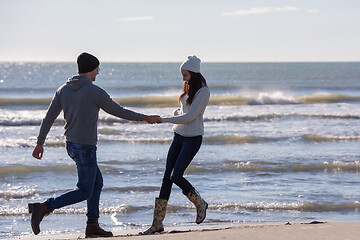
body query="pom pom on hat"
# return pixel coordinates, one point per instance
(191, 64)
(87, 62)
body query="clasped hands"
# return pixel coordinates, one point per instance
(153, 119)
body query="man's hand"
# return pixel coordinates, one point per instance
(38, 152)
(153, 119)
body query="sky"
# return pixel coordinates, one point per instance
(170, 30)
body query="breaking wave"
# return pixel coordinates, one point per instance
(228, 166)
(269, 167)
(295, 206)
(255, 206)
(109, 135)
(276, 98)
(109, 120)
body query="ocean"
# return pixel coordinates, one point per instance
(281, 144)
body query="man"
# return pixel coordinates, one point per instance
(81, 101)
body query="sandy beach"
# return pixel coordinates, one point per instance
(316, 230)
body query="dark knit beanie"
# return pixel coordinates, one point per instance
(87, 62)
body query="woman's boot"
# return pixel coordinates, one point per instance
(159, 215)
(199, 203)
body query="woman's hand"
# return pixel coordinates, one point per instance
(153, 119)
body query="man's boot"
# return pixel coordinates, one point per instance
(199, 203)
(159, 215)
(38, 212)
(93, 230)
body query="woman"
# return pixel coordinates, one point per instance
(188, 132)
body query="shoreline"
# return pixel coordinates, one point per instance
(315, 230)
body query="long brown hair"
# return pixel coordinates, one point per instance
(191, 87)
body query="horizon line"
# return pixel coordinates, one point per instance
(106, 61)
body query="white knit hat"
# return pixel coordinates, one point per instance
(191, 64)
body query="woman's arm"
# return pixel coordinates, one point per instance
(197, 107)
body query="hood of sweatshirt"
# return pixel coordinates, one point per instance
(77, 82)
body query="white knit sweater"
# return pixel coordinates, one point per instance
(188, 119)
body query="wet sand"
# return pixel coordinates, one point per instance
(316, 230)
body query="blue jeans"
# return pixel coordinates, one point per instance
(181, 153)
(90, 181)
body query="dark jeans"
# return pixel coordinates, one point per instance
(181, 153)
(90, 181)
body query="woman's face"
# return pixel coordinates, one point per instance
(186, 75)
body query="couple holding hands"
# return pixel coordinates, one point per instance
(81, 100)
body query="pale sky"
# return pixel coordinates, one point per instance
(170, 30)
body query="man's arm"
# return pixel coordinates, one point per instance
(51, 115)
(105, 102)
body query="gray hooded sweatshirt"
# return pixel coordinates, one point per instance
(81, 101)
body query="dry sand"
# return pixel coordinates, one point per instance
(326, 230)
